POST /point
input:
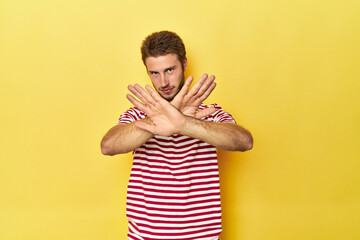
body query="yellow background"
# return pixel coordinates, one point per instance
(287, 70)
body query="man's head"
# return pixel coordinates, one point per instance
(164, 56)
(163, 43)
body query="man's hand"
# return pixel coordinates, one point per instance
(187, 102)
(166, 119)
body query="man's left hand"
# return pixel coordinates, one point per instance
(166, 120)
(188, 102)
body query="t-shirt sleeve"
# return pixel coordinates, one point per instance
(130, 115)
(221, 115)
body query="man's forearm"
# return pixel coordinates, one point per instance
(124, 138)
(226, 136)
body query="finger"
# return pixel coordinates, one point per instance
(205, 90)
(205, 112)
(186, 86)
(206, 85)
(136, 93)
(148, 99)
(145, 126)
(181, 98)
(136, 103)
(154, 95)
(208, 92)
(197, 85)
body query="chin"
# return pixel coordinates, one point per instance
(169, 99)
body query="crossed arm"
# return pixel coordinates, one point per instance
(180, 116)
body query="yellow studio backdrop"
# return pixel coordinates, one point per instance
(287, 70)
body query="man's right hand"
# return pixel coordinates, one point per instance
(188, 102)
(166, 120)
(124, 138)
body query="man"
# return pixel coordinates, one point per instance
(173, 191)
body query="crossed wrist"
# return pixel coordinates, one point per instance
(146, 120)
(187, 125)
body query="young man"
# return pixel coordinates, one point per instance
(173, 191)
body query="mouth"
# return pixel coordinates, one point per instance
(166, 90)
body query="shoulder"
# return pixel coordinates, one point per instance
(215, 105)
(135, 111)
(131, 115)
(220, 115)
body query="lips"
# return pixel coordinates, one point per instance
(166, 90)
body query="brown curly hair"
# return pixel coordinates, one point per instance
(162, 43)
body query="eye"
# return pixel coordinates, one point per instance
(154, 73)
(170, 70)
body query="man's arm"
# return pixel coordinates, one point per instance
(167, 120)
(226, 136)
(125, 138)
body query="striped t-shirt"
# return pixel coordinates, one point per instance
(173, 191)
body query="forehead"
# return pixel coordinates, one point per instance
(161, 62)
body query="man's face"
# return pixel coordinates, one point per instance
(166, 74)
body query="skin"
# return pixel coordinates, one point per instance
(166, 120)
(166, 74)
(171, 109)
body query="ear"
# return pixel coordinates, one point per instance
(185, 63)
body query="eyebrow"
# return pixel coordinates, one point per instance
(172, 67)
(153, 71)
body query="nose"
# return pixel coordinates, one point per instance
(164, 80)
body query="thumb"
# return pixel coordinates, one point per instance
(205, 112)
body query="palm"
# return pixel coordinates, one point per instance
(188, 102)
(166, 119)
(169, 118)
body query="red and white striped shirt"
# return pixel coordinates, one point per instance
(173, 191)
